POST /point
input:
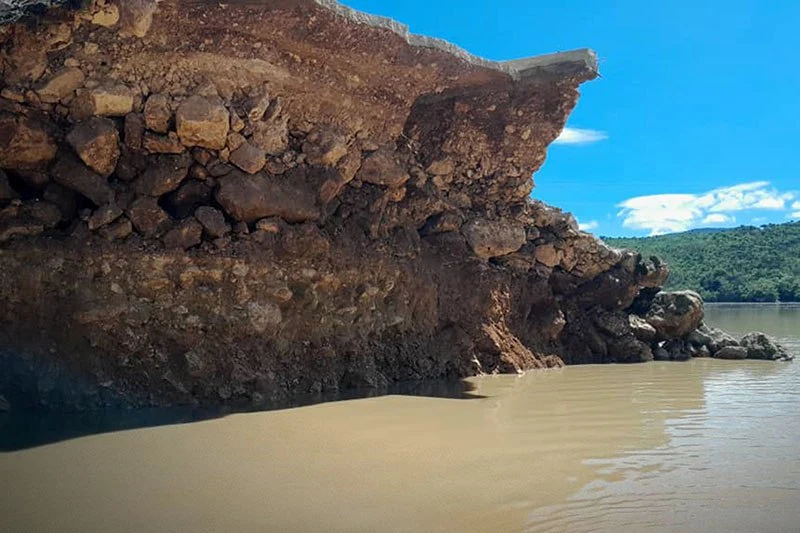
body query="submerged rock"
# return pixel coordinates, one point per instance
(731, 352)
(760, 346)
(713, 338)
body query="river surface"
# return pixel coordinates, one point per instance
(700, 446)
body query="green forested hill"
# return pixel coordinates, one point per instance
(745, 264)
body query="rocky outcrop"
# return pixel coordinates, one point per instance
(290, 199)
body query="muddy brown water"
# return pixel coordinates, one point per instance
(700, 446)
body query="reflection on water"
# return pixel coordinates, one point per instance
(700, 446)
(733, 465)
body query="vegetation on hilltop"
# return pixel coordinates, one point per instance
(746, 264)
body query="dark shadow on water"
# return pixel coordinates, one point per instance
(21, 430)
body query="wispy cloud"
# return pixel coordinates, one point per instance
(588, 226)
(795, 214)
(719, 218)
(666, 213)
(580, 136)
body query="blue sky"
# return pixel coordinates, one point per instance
(694, 123)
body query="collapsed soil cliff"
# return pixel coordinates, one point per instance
(243, 201)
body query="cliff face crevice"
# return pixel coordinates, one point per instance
(283, 198)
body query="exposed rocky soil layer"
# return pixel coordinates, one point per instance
(212, 202)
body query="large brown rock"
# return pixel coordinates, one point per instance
(163, 175)
(157, 113)
(24, 143)
(104, 215)
(136, 16)
(61, 85)
(325, 147)
(213, 221)
(147, 216)
(203, 122)
(271, 136)
(162, 144)
(73, 174)
(96, 141)
(114, 101)
(249, 158)
(249, 198)
(675, 315)
(134, 130)
(494, 238)
(185, 235)
(383, 168)
(548, 255)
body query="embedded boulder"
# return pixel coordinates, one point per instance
(157, 113)
(675, 315)
(147, 216)
(61, 85)
(213, 221)
(185, 235)
(164, 175)
(383, 168)
(72, 174)
(494, 238)
(25, 143)
(248, 158)
(96, 141)
(104, 215)
(203, 121)
(113, 101)
(248, 198)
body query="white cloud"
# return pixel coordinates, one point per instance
(795, 215)
(719, 218)
(796, 206)
(588, 226)
(666, 213)
(579, 136)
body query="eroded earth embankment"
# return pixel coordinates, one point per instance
(212, 202)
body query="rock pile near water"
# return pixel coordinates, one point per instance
(672, 324)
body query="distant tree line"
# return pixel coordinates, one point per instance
(746, 264)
